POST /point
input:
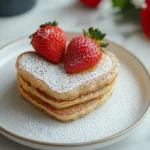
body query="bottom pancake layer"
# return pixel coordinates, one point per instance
(70, 113)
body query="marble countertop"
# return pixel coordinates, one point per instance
(74, 17)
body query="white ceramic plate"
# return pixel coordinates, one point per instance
(23, 123)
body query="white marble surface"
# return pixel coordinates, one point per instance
(74, 17)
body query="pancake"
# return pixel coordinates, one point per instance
(64, 103)
(67, 114)
(53, 79)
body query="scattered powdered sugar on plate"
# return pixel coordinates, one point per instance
(128, 103)
(55, 76)
(121, 111)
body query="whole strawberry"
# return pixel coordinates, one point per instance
(84, 52)
(49, 41)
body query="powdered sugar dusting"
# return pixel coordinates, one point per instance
(121, 111)
(56, 77)
(44, 34)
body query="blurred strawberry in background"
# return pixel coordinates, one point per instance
(91, 3)
(148, 2)
(145, 15)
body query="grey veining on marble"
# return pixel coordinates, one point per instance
(74, 17)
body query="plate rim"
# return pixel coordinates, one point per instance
(113, 137)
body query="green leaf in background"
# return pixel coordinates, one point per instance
(120, 3)
(127, 9)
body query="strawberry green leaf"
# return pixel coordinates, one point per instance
(96, 35)
(86, 34)
(91, 30)
(104, 45)
(102, 36)
(54, 23)
(31, 35)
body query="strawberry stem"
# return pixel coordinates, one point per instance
(97, 35)
(54, 23)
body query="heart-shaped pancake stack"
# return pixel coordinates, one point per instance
(66, 97)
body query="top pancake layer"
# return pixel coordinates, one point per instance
(56, 78)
